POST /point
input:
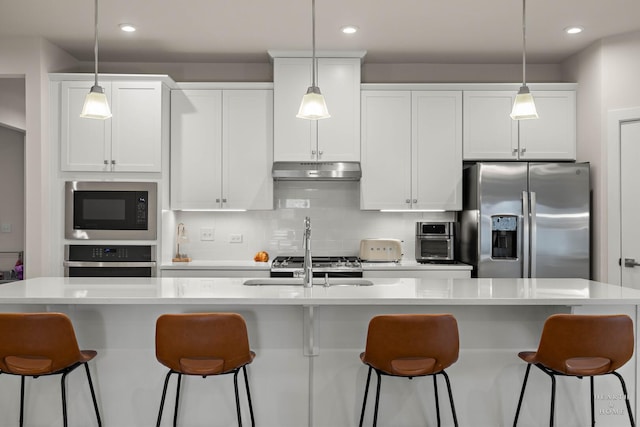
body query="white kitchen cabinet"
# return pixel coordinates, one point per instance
(130, 141)
(333, 139)
(490, 133)
(221, 149)
(411, 150)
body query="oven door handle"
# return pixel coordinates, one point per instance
(108, 264)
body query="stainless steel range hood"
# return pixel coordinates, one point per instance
(316, 171)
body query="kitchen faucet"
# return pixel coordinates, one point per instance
(307, 265)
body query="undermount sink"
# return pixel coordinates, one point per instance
(317, 281)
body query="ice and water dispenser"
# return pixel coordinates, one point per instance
(504, 236)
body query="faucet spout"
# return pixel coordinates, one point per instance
(307, 264)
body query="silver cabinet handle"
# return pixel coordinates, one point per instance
(523, 150)
(514, 152)
(113, 162)
(630, 262)
(313, 152)
(415, 200)
(224, 200)
(106, 162)
(408, 201)
(217, 200)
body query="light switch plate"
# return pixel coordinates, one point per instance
(235, 238)
(206, 234)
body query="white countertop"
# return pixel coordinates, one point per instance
(222, 291)
(252, 265)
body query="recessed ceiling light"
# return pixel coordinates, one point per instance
(349, 29)
(573, 30)
(127, 28)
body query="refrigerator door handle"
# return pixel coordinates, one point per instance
(525, 234)
(532, 210)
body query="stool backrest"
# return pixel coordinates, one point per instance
(566, 336)
(202, 335)
(397, 336)
(48, 335)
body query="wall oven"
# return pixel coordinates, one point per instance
(110, 210)
(435, 242)
(109, 261)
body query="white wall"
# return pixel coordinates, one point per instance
(12, 102)
(11, 196)
(605, 72)
(337, 224)
(34, 58)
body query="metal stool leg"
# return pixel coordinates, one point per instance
(93, 394)
(553, 398)
(524, 385)
(626, 398)
(246, 383)
(453, 408)
(364, 400)
(164, 394)
(64, 399)
(435, 392)
(175, 412)
(21, 401)
(235, 387)
(593, 404)
(375, 413)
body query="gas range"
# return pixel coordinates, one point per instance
(330, 266)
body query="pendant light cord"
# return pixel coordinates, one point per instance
(313, 42)
(524, 44)
(95, 46)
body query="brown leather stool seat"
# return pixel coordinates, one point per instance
(203, 344)
(40, 344)
(411, 345)
(581, 346)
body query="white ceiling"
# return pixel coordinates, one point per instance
(392, 31)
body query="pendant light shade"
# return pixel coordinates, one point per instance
(524, 106)
(313, 106)
(95, 104)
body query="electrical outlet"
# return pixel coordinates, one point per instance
(235, 238)
(206, 234)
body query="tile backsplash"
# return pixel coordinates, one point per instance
(337, 224)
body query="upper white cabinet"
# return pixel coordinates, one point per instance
(221, 149)
(130, 141)
(490, 133)
(334, 139)
(411, 150)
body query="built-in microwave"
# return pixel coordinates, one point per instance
(435, 242)
(108, 210)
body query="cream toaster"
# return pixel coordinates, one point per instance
(380, 250)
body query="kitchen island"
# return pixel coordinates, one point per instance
(307, 371)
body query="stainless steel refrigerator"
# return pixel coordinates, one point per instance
(524, 219)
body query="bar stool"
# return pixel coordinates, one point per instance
(203, 344)
(581, 346)
(40, 344)
(411, 345)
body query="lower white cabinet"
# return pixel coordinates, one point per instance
(411, 150)
(221, 149)
(204, 272)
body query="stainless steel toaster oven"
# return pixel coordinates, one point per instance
(435, 242)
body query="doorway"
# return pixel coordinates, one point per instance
(624, 197)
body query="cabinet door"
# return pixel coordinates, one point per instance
(294, 138)
(136, 126)
(247, 149)
(196, 138)
(553, 135)
(489, 133)
(386, 150)
(437, 150)
(85, 143)
(339, 135)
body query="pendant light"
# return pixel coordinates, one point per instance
(95, 104)
(524, 107)
(313, 106)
